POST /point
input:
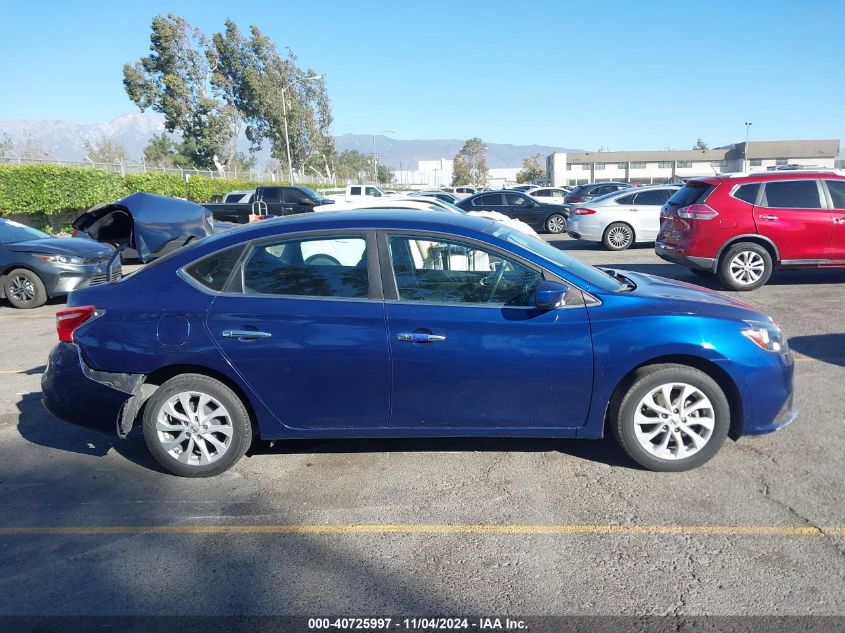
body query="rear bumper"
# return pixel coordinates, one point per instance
(671, 254)
(76, 393)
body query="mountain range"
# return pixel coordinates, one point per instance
(64, 140)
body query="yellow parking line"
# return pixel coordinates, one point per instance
(655, 530)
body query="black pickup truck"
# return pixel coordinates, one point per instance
(282, 200)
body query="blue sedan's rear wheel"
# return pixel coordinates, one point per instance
(671, 417)
(195, 426)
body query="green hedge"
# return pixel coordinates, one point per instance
(54, 189)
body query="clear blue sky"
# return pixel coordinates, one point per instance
(623, 75)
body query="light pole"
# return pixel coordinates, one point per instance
(285, 117)
(747, 130)
(375, 165)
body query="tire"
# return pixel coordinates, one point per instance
(24, 289)
(556, 223)
(745, 266)
(657, 446)
(172, 439)
(698, 272)
(618, 236)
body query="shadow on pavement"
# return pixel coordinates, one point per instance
(829, 348)
(604, 451)
(39, 426)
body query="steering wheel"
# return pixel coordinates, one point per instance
(498, 280)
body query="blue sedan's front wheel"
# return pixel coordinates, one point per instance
(671, 418)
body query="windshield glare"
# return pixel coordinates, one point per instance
(13, 232)
(541, 248)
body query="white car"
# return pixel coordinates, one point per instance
(239, 196)
(553, 195)
(621, 218)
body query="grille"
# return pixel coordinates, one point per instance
(113, 275)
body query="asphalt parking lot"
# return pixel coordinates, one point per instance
(90, 525)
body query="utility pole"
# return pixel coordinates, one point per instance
(745, 165)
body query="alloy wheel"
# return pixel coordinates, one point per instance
(674, 421)
(194, 428)
(22, 289)
(747, 267)
(556, 224)
(619, 236)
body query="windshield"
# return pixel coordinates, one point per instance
(542, 248)
(12, 232)
(310, 192)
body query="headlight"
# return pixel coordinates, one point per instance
(60, 259)
(766, 336)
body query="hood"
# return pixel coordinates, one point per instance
(72, 246)
(682, 298)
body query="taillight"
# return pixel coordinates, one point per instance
(583, 211)
(69, 319)
(697, 212)
(75, 232)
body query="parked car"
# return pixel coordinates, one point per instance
(622, 218)
(271, 200)
(145, 226)
(555, 195)
(448, 325)
(542, 217)
(35, 266)
(463, 192)
(522, 188)
(585, 193)
(440, 195)
(742, 227)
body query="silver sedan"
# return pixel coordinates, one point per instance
(621, 218)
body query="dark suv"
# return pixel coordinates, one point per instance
(585, 193)
(741, 227)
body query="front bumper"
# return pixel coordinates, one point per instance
(62, 279)
(76, 393)
(671, 254)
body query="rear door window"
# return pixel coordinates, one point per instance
(656, 197)
(837, 192)
(792, 194)
(316, 267)
(489, 200)
(271, 194)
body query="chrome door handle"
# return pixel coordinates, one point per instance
(245, 334)
(419, 337)
(769, 217)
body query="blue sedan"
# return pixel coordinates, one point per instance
(404, 324)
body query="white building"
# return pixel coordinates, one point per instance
(650, 167)
(433, 174)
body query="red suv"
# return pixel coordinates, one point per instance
(741, 227)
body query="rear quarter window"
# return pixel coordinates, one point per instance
(747, 193)
(213, 271)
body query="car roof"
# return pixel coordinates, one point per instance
(362, 218)
(756, 176)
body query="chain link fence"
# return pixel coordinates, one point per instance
(132, 167)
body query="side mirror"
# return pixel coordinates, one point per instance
(550, 295)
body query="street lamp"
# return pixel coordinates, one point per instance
(747, 130)
(285, 117)
(375, 165)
